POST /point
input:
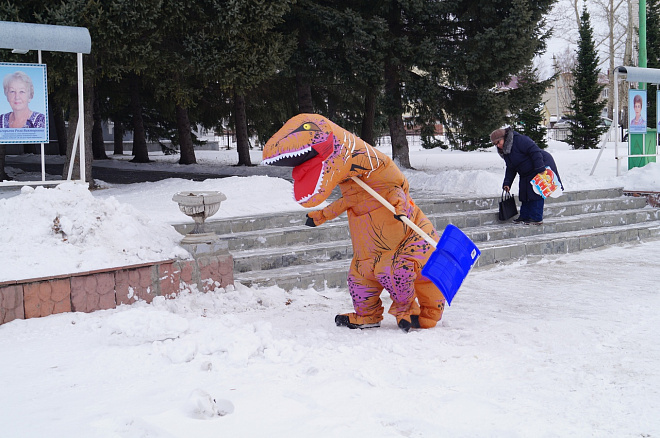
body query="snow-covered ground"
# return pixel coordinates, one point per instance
(564, 346)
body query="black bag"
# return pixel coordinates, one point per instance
(508, 207)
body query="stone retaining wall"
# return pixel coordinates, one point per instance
(652, 198)
(108, 288)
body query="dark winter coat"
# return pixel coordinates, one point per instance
(523, 157)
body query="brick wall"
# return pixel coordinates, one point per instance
(108, 288)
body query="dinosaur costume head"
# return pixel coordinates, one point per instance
(322, 155)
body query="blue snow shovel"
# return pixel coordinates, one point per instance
(455, 254)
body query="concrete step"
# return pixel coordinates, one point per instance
(262, 259)
(480, 217)
(430, 205)
(275, 257)
(333, 273)
(288, 230)
(469, 222)
(504, 250)
(288, 236)
(281, 250)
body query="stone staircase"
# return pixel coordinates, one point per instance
(280, 250)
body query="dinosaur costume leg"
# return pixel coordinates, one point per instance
(397, 276)
(365, 289)
(431, 301)
(366, 299)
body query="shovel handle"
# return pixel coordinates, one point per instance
(390, 207)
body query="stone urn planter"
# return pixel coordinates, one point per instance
(199, 206)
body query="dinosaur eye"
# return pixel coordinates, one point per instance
(309, 126)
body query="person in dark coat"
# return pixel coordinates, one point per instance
(523, 157)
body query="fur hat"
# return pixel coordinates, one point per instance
(497, 134)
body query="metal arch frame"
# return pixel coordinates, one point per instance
(23, 37)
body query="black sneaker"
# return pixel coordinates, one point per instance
(405, 325)
(344, 321)
(520, 220)
(414, 321)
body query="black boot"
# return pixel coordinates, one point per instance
(344, 321)
(405, 325)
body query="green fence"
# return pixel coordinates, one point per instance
(638, 146)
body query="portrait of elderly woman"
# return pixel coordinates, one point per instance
(638, 104)
(19, 90)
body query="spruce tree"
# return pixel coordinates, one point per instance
(526, 103)
(229, 46)
(586, 107)
(468, 47)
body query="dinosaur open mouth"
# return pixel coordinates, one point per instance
(308, 175)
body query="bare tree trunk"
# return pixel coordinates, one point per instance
(187, 155)
(304, 95)
(400, 151)
(576, 11)
(98, 145)
(242, 142)
(3, 154)
(614, 37)
(332, 106)
(610, 85)
(118, 138)
(140, 152)
(367, 132)
(57, 115)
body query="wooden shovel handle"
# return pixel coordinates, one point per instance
(390, 207)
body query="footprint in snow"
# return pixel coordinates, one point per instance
(203, 406)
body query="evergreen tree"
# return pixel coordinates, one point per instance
(337, 67)
(526, 102)
(237, 47)
(586, 107)
(468, 47)
(124, 46)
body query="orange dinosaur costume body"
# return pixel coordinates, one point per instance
(387, 254)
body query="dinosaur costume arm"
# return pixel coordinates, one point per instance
(399, 201)
(330, 212)
(355, 198)
(391, 185)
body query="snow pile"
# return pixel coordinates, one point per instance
(65, 229)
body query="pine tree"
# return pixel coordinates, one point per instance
(586, 107)
(231, 46)
(476, 46)
(526, 104)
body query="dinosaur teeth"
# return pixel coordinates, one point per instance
(287, 155)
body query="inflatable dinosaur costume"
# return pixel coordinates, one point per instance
(387, 254)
